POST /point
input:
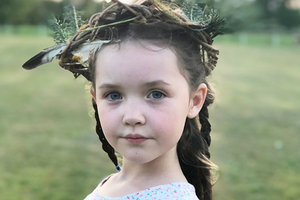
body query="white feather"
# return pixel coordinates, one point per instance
(48, 54)
(84, 51)
(52, 53)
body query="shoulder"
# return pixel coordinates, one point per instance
(94, 195)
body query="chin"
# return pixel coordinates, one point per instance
(139, 159)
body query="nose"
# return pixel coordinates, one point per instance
(133, 114)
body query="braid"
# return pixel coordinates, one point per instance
(205, 125)
(193, 152)
(105, 145)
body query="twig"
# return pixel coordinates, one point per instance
(75, 16)
(111, 24)
(126, 6)
(165, 10)
(100, 14)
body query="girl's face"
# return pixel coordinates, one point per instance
(143, 100)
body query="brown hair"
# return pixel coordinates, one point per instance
(192, 46)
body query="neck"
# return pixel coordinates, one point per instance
(163, 170)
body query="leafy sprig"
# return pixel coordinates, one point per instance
(59, 33)
(63, 29)
(193, 11)
(207, 17)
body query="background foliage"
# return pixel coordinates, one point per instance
(48, 147)
(240, 14)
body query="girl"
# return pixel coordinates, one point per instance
(148, 66)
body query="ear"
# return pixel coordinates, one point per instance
(197, 100)
(93, 93)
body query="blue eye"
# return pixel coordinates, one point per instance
(156, 95)
(113, 96)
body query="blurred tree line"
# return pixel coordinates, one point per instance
(241, 15)
(259, 15)
(37, 12)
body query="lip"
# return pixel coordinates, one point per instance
(135, 138)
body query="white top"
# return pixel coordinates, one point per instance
(173, 191)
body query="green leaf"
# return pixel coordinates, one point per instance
(64, 29)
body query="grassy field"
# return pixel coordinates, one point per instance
(48, 148)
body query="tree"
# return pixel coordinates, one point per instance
(275, 14)
(288, 18)
(16, 11)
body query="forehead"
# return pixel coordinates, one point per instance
(132, 56)
(129, 47)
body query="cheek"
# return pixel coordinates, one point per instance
(169, 124)
(108, 122)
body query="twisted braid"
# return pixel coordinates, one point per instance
(193, 150)
(105, 145)
(204, 115)
(205, 125)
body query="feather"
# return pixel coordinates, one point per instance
(48, 54)
(44, 56)
(84, 51)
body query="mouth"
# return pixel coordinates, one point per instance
(135, 138)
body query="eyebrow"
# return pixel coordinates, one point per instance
(108, 86)
(156, 83)
(148, 84)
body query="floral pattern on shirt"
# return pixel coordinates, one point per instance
(174, 191)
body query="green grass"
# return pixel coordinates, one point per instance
(29, 30)
(49, 150)
(256, 122)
